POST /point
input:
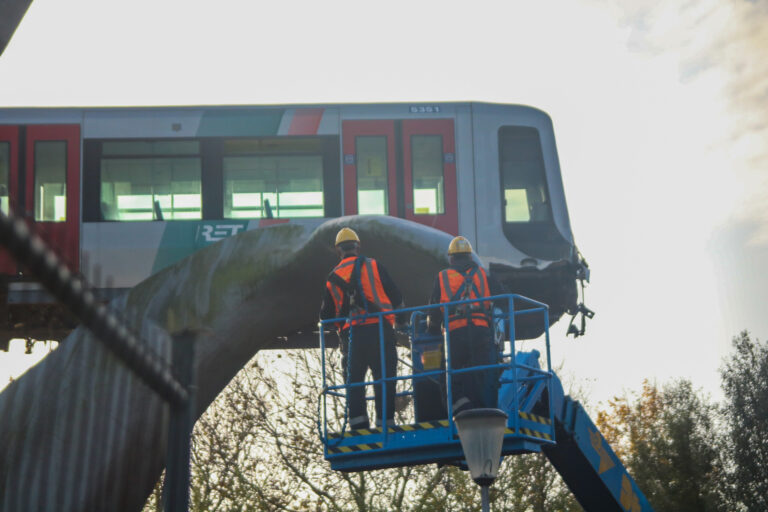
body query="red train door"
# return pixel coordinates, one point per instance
(370, 172)
(429, 165)
(9, 162)
(403, 168)
(52, 187)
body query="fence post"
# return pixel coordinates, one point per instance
(176, 486)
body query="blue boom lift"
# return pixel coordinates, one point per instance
(541, 418)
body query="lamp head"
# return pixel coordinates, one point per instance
(481, 432)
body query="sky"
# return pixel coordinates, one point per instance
(659, 110)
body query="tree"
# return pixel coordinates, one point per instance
(257, 448)
(667, 440)
(745, 384)
(530, 483)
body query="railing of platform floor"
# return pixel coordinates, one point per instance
(510, 314)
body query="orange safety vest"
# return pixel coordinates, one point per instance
(373, 290)
(455, 286)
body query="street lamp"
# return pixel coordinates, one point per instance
(481, 432)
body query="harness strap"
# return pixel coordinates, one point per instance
(463, 291)
(340, 291)
(356, 282)
(351, 293)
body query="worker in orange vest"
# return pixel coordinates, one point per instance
(356, 287)
(470, 325)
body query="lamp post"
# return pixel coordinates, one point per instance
(481, 432)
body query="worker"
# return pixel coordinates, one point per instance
(469, 325)
(356, 287)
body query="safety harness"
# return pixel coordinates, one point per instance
(464, 292)
(353, 296)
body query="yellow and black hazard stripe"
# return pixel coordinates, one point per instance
(358, 432)
(424, 425)
(529, 432)
(354, 448)
(427, 425)
(536, 419)
(532, 417)
(534, 433)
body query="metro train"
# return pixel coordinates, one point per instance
(121, 193)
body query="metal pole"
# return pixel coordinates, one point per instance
(515, 419)
(448, 367)
(176, 488)
(486, 499)
(382, 357)
(321, 327)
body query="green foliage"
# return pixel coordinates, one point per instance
(667, 440)
(745, 383)
(530, 483)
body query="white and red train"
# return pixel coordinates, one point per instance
(121, 193)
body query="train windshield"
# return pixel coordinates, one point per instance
(522, 175)
(526, 208)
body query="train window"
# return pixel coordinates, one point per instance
(427, 170)
(5, 166)
(523, 180)
(292, 186)
(281, 177)
(50, 181)
(150, 180)
(371, 153)
(211, 178)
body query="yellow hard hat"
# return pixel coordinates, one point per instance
(459, 245)
(346, 235)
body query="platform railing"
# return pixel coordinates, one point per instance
(506, 359)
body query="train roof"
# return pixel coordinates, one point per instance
(351, 105)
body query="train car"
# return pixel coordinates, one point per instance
(121, 193)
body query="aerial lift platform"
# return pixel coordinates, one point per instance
(540, 417)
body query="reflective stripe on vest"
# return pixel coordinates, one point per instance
(373, 290)
(451, 282)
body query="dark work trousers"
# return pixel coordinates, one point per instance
(365, 353)
(472, 346)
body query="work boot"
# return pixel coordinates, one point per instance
(390, 423)
(359, 423)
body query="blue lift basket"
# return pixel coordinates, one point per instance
(523, 390)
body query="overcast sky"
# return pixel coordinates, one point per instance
(659, 112)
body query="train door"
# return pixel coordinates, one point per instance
(9, 157)
(402, 168)
(52, 186)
